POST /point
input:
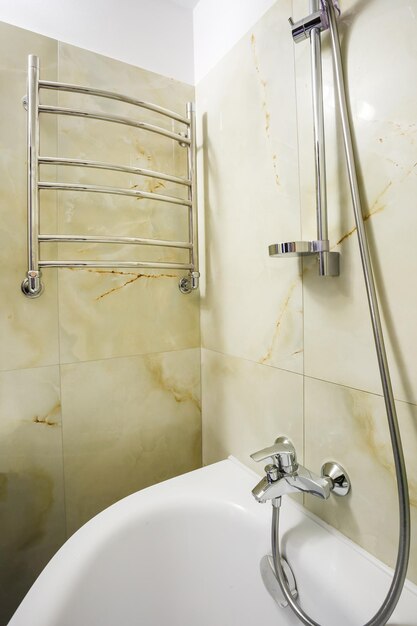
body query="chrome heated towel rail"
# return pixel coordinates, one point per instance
(32, 285)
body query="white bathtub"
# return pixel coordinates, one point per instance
(186, 552)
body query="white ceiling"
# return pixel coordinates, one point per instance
(187, 4)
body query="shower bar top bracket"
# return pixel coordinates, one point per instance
(32, 286)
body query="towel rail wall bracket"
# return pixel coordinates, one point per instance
(32, 285)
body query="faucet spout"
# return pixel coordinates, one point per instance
(304, 481)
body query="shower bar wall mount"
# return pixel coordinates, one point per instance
(32, 286)
(310, 27)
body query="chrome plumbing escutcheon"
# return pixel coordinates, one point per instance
(338, 476)
(31, 286)
(188, 283)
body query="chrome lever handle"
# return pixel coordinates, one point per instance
(266, 453)
(282, 453)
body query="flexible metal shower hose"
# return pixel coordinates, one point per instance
(390, 602)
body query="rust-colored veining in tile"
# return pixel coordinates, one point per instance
(366, 217)
(365, 422)
(48, 419)
(150, 186)
(142, 153)
(275, 166)
(179, 393)
(405, 130)
(114, 289)
(263, 84)
(134, 278)
(278, 325)
(267, 114)
(377, 207)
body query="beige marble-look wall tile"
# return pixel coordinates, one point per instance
(380, 52)
(115, 313)
(251, 304)
(128, 423)
(29, 328)
(147, 426)
(350, 427)
(246, 406)
(32, 517)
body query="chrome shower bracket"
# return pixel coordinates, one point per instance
(329, 262)
(318, 19)
(301, 30)
(310, 27)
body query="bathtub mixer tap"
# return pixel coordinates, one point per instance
(284, 475)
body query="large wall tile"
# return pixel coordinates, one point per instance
(148, 429)
(29, 328)
(32, 517)
(249, 184)
(128, 423)
(350, 427)
(112, 313)
(247, 115)
(246, 406)
(380, 52)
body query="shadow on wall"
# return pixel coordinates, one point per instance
(26, 500)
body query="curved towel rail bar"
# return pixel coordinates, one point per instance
(117, 119)
(32, 286)
(117, 191)
(46, 84)
(101, 165)
(118, 264)
(117, 240)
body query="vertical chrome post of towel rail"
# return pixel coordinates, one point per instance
(188, 283)
(328, 261)
(32, 286)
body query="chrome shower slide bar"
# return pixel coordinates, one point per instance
(100, 165)
(328, 260)
(32, 286)
(118, 191)
(116, 240)
(47, 84)
(117, 119)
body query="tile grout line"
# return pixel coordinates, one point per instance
(306, 376)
